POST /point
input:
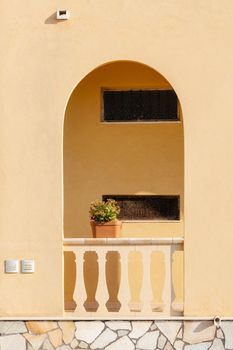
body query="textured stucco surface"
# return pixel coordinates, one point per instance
(42, 61)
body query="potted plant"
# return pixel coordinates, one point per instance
(103, 216)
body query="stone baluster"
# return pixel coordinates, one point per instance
(146, 291)
(157, 279)
(124, 293)
(178, 280)
(135, 280)
(166, 249)
(102, 291)
(79, 291)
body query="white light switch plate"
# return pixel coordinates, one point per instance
(27, 266)
(11, 266)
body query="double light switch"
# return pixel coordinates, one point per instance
(12, 266)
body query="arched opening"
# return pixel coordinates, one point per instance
(142, 157)
(135, 157)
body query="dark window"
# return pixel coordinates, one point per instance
(139, 105)
(137, 207)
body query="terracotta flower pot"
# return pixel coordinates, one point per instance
(111, 229)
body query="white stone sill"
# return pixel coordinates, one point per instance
(151, 221)
(142, 122)
(122, 241)
(66, 318)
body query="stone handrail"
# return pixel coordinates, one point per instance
(122, 241)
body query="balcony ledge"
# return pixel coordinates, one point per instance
(121, 241)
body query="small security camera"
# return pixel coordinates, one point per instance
(217, 321)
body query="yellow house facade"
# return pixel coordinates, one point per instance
(58, 154)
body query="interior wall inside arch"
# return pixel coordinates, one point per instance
(101, 158)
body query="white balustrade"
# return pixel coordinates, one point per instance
(143, 275)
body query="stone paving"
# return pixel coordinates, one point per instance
(115, 335)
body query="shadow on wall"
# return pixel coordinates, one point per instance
(52, 19)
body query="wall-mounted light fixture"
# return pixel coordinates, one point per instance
(63, 14)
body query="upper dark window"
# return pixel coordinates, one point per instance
(139, 105)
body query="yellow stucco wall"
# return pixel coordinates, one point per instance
(41, 63)
(133, 158)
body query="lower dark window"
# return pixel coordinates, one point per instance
(139, 105)
(147, 207)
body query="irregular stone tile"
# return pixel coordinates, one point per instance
(39, 327)
(12, 342)
(180, 334)
(168, 346)
(116, 325)
(64, 347)
(83, 345)
(88, 331)
(55, 337)
(227, 327)
(148, 341)
(68, 329)
(153, 327)
(200, 346)
(170, 329)
(104, 339)
(122, 332)
(35, 340)
(47, 345)
(217, 345)
(192, 335)
(139, 328)
(123, 343)
(179, 345)
(74, 344)
(161, 341)
(220, 334)
(10, 327)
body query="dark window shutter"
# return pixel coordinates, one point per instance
(139, 207)
(140, 105)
